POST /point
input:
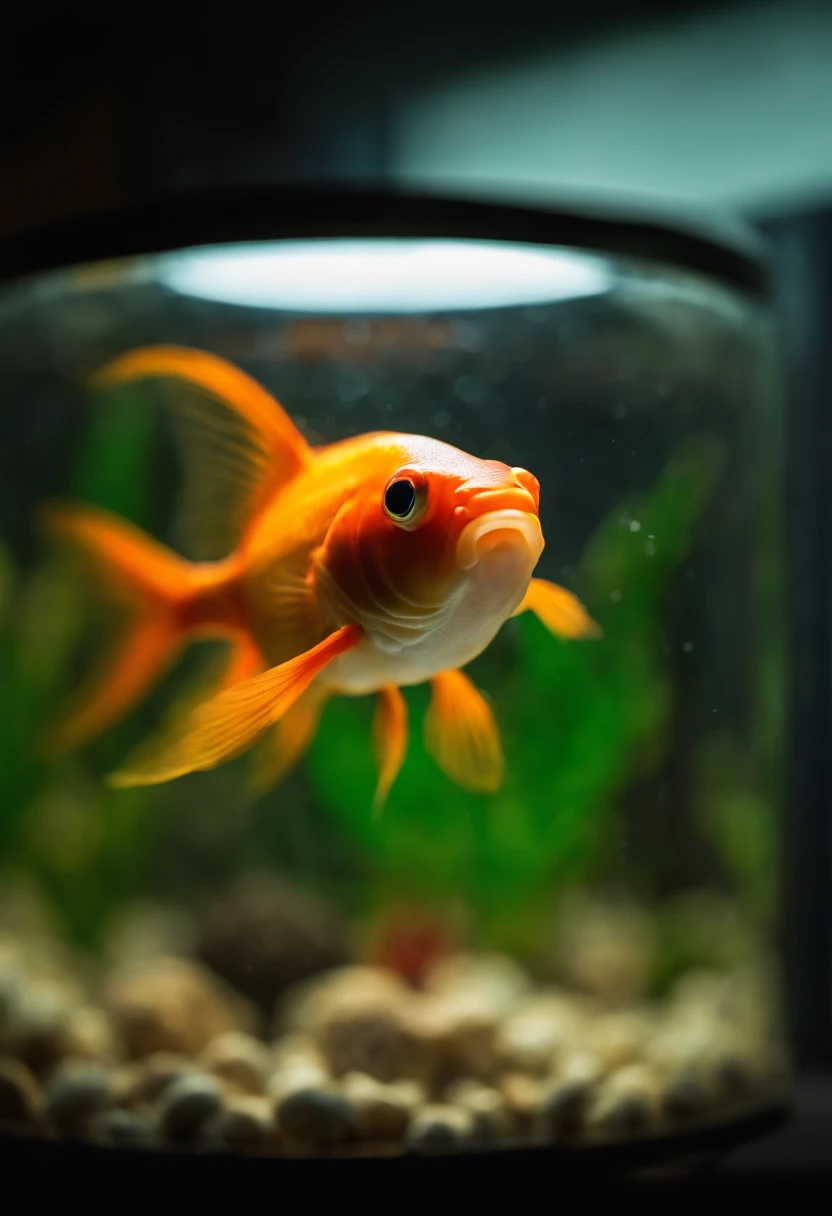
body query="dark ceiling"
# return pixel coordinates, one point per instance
(101, 111)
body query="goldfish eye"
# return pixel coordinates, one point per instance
(405, 498)
(400, 499)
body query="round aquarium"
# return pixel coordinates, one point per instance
(392, 653)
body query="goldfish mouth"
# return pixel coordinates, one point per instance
(499, 529)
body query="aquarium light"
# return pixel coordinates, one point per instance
(382, 275)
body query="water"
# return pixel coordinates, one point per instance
(585, 954)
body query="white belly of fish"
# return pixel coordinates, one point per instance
(491, 592)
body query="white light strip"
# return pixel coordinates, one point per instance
(382, 276)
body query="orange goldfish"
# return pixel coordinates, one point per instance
(351, 568)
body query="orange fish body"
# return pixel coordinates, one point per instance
(359, 567)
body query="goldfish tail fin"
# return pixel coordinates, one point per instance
(151, 584)
(461, 734)
(238, 444)
(227, 725)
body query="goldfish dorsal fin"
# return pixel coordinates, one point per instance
(238, 444)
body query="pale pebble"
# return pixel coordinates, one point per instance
(494, 981)
(626, 1103)
(311, 1003)
(378, 1040)
(522, 1094)
(617, 1039)
(529, 1042)
(292, 1078)
(383, 1111)
(172, 1004)
(20, 1094)
(239, 1059)
(487, 1106)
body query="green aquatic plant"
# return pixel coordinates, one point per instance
(579, 721)
(739, 779)
(84, 845)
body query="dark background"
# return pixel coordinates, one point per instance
(101, 111)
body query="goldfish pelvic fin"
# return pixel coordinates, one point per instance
(285, 744)
(150, 583)
(228, 724)
(238, 444)
(461, 734)
(559, 610)
(240, 662)
(389, 741)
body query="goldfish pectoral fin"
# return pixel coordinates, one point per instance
(284, 744)
(238, 444)
(229, 723)
(461, 734)
(559, 610)
(389, 741)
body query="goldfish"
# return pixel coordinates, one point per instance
(353, 568)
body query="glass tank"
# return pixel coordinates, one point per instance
(392, 653)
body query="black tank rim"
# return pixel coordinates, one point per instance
(191, 219)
